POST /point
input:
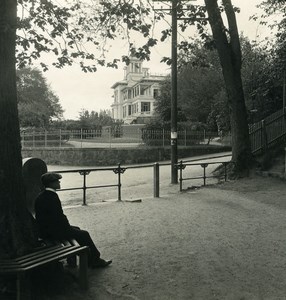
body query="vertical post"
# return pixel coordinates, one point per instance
(138, 136)
(174, 134)
(83, 266)
(60, 138)
(81, 137)
(204, 136)
(264, 142)
(204, 166)
(156, 180)
(109, 130)
(163, 132)
(84, 188)
(119, 182)
(46, 138)
(33, 139)
(185, 137)
(119, 171)
(225, 173)
(181, 175)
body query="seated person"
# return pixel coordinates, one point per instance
(53, 224)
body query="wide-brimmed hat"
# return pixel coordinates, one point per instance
(50, 177)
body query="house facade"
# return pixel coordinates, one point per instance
(134, 96)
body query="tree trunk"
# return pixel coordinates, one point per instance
(229, 51)
(16, 235)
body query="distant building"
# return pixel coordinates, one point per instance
(135, 95)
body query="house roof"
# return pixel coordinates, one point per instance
(122, 82)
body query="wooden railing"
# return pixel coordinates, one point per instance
(268, 132)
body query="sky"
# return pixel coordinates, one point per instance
(92, 91)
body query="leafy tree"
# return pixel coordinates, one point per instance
(228, 46)
(94, 120)
(199, 83)
(65, 124)
(37, 103)
(277, 49)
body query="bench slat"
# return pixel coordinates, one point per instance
(47, 255)
(52, 259)
(46, 249)
(40, 254)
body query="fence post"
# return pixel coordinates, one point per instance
(225, 171)
(60, 138)
(46, 136)
(163, 131)
(33, 139)
(204, 136)
(156, 180)
(264, 143)
(109, 130)
(185, 137)
(138, 135)
(81, 137)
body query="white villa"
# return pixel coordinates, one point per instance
(134, 96)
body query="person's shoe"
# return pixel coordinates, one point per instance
(100, 263)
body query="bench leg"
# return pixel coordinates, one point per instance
(83, 280)
(23, 286)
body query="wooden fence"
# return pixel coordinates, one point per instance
(268, 132)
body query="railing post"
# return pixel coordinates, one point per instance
(33, 139)
(181, 167)
(46, 137)
(84, 173)
(204, 177)
(119, 183)
(163, 132)
(119, 171)
(156, 180)
(81, 137)
(60, 138)
(84, 189)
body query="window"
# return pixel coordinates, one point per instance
(137, 68)
(145, 106)
(155, 93)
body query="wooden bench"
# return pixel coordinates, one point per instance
(48, 253)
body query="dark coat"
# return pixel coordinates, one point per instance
(51, 221)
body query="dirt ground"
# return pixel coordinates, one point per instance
(225, 241)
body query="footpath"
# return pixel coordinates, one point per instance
(225, 241)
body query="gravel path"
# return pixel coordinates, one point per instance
(221, 242)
